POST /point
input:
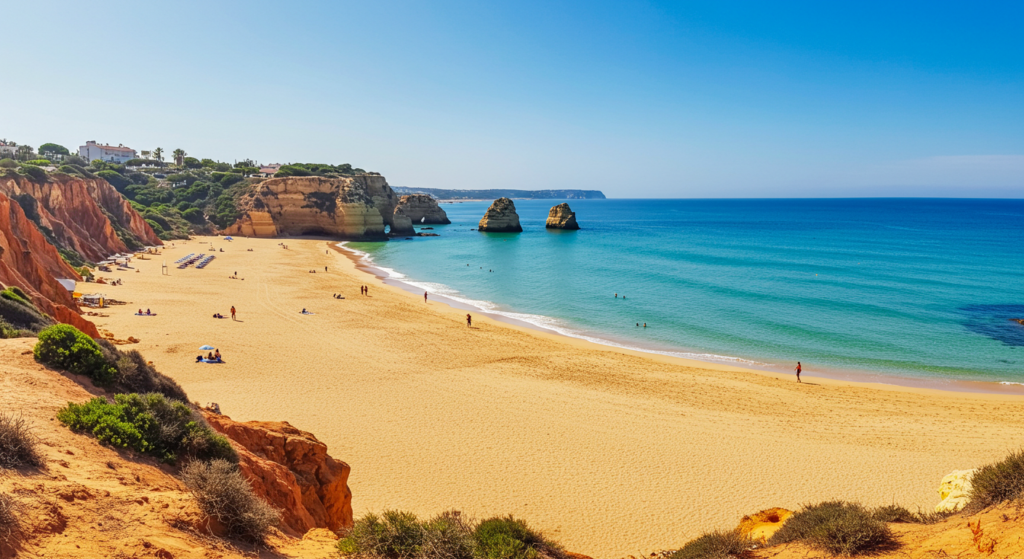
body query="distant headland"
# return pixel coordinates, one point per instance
(495, 193)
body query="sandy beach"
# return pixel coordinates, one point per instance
(609, 451)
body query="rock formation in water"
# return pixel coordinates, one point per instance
(501, 217)
(424, 209)
(357, 208)
(292, 471)
(30, 262)
(1018, 321)
(87, 216)
(561, 217)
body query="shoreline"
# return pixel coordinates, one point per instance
(364, 262)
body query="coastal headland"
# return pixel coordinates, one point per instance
(609, 451)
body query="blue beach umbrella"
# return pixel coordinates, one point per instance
(206, 348)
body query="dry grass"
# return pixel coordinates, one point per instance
(997, 483)
(223, 494)
(715, 545)
(18, 443)
(837, 527)
(9, 524)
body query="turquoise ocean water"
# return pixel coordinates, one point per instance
(913, 288)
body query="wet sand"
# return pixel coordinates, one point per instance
(610, 451)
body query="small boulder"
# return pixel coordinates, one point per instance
(955, 491)
(501, 217)
(561, 217)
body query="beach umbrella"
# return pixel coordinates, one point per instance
(228, 239)
(206, 348)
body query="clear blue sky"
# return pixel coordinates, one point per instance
(639, 99)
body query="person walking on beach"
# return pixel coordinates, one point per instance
(232, 312)
(424, 296)
(469, 320)
(799, 370)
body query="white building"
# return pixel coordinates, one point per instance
(7, 150)
(111, 154)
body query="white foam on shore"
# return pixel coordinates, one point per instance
(544, 322)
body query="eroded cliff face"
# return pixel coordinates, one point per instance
(83, 214)
(291, 469)
(358, 207)
(422, 208)
(29, 261)
(561, 217)
(501, 217)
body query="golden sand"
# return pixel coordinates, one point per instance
(611, 452)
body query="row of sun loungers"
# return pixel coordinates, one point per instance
(200, 261)
(184, 258)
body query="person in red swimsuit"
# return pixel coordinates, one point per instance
(799, 370)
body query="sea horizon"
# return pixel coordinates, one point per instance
(958, 312)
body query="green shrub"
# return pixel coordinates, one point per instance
(997, 483)
(70, 170)
(392, 535)
(15, 293)
(194, 215)
(19, 314)
(64, 347)
(8, 163)
(156, 226)
(74, 168)
(292, 171)
(117, 180)
(222, 493)
(150, 424)
(448, 536)
(714, 545)
(836, 527)
(510, 538)
(39, 162)
(900, 514)
(37, 174)
(134, 374)
(18, 445)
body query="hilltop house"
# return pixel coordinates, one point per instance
(7, 150)
(112, 154)
(269, 170)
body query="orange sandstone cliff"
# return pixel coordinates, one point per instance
(83, 214)
(29, 261)
(291, 469)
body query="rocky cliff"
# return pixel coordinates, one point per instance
(291, 470)
(422, 208)
(359, 207)
(501, 217)
(561, 217)
(28, 261)
(87, 216)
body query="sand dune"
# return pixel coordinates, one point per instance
(611, 452)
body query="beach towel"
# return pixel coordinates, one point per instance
(212, 361)
(307, 312)
(144, 314)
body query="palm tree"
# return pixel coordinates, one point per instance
(179, 157)
(158, 153)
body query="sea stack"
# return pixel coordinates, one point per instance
(501, 217)
(423, 208)
(561, 217)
